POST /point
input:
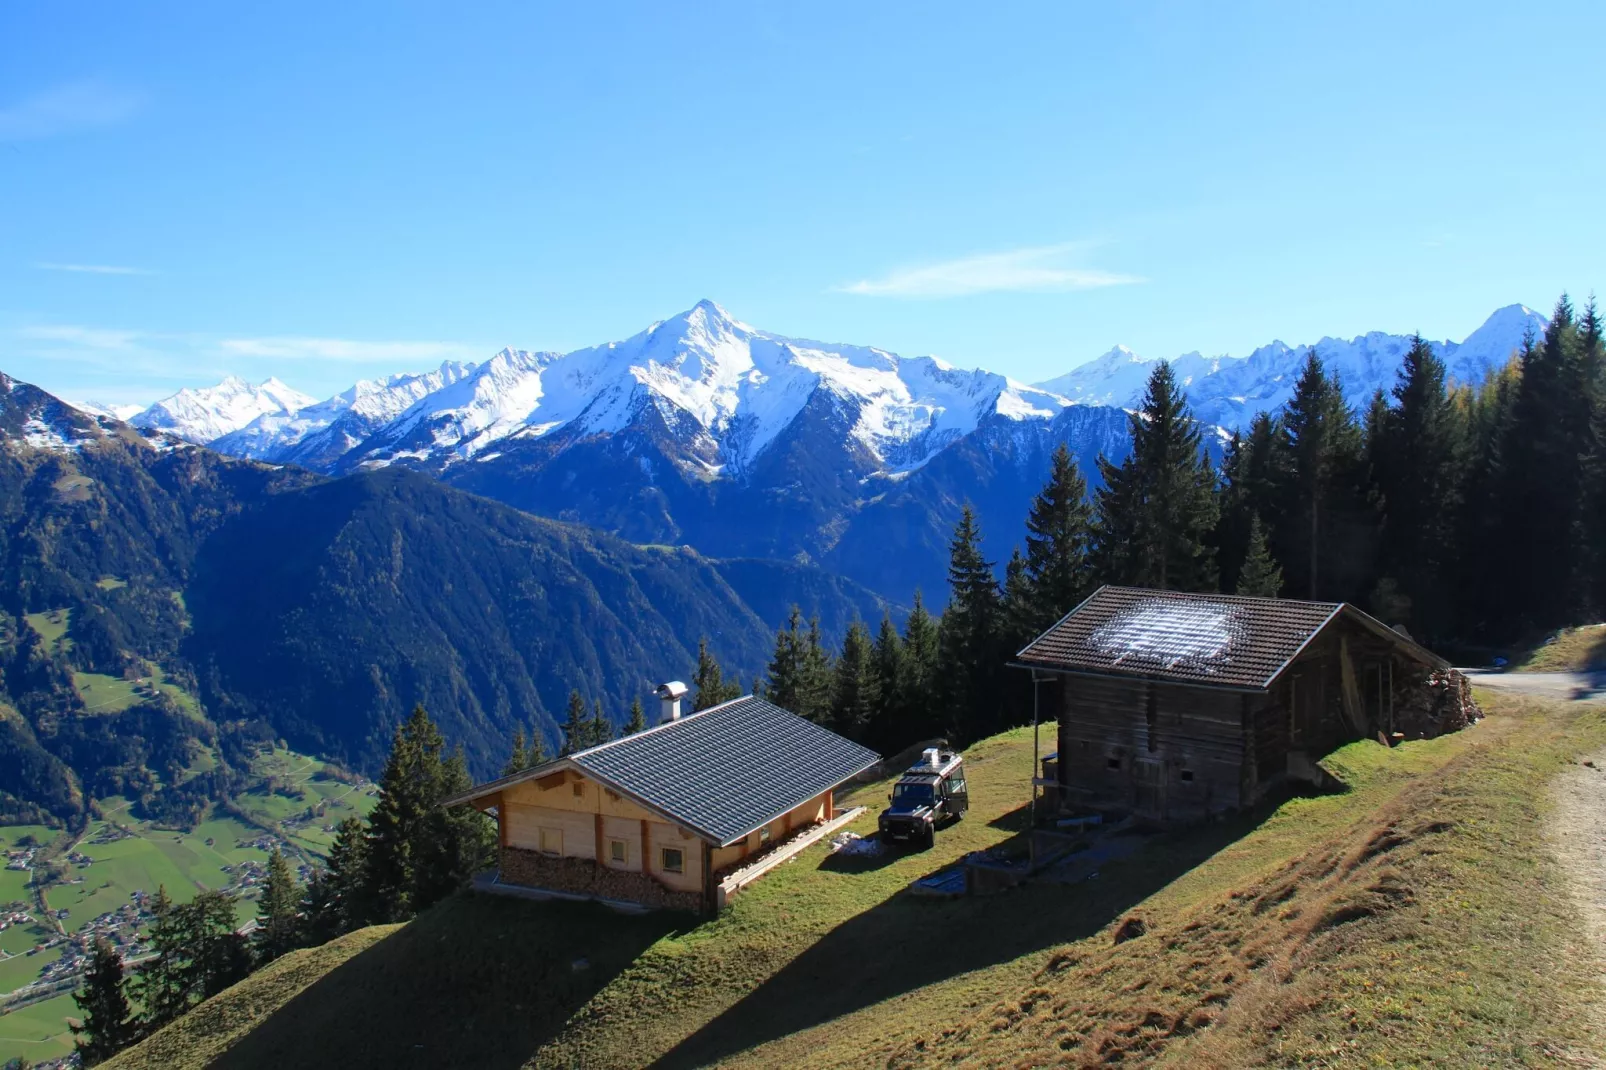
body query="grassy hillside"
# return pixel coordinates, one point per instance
(1569, 650)
(1351, 926)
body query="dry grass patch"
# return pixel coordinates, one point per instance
(1433, 930)
(1570, 650)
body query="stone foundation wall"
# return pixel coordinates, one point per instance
(581, 876)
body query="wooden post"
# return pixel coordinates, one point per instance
(830, 804)
(501, 818)
(646, 848)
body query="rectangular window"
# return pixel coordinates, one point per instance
(579, 789)
(551, 841)
(619, 851)
(763, 835)
(1113, 763)
(1186, 774)
(672, 860)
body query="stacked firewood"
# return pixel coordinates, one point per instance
(1428, 704)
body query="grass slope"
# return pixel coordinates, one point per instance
(1413, 919)
(1569, 650)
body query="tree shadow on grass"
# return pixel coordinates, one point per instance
(480, 980)
(908, 942)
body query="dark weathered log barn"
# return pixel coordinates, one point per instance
(1173, 707)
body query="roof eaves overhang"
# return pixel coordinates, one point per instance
(491, 787)
(1074, 611)
(1060, 670)
(1404, 642)
(1309, 639)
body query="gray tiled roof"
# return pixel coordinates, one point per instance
(728, 770)
(1213, 639)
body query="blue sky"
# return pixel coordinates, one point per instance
(329, 191)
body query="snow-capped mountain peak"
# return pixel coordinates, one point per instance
(1229, 391)
(206, 414)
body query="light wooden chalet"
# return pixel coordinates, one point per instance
(1176, 706)
(657, 817)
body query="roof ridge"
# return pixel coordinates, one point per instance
(660, 726)
(1213, 596)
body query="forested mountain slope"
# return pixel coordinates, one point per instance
(164, 606)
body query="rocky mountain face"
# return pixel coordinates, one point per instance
(705, 431)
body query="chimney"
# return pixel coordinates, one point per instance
(669, 696)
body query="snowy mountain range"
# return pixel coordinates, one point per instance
(1230, 391)
(706, 431)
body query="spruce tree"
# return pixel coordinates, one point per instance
(334, 902)
(638, 718)
(784, 681)
(576, 728)
(217, 955)
(519, 758)
(1259, 576)
(600, 730)
(919, 703)
(278, 911)
(455, 843)
(709, 682)
(107, 1024)
(816, 676)
(158, 982)
(1155, 516)
(969, 638)
(891, 666)
(855, 692)
(409, 793)
(1417, 468)
(1325, 539)
(1059, 530)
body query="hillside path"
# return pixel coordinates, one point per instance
(1562, 686)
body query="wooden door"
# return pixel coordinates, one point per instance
(1148, 788)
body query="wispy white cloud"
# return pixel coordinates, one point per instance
(345, 349)
(94, 269)
(1044, 268)
(87, 337)
(66, 109)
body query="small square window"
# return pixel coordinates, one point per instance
(579, 789)
(1186, 774)
(1113, 763)
(619, 851)
(551, 841)
(763, 835)
(673, 860)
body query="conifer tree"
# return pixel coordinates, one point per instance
(969, 636)
(576, 728)
(1259, 576)
(855, 687)
(278, 928)
(709, 682)
(816, 676)
(518, 759)
(891, 667)
(217, 955)
(1019, 608)
(600, 730)
(1416, 465)
(1325, 539)
(1058, 533)
(784, 683)
(158, 983)
(333, 903)
(456, 843)
(410, 791)
(1155, 516)
(919, 703)
(107, 1025)
(638, 718)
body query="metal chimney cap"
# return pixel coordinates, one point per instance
(672, 690)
